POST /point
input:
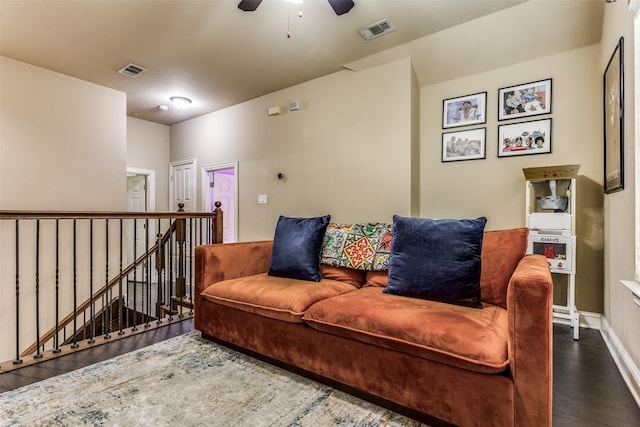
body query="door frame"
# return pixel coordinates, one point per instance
(205, 190)
(150, 196)
(151, 186)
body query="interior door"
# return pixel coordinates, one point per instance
(136, 202)
(223, 185)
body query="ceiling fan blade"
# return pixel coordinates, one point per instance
(249, 5)
(341, 6)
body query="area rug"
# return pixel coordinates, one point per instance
(187, 381)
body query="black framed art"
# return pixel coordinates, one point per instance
(613, 97)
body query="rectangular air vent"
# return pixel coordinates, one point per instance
(377, 29)
(132, 70)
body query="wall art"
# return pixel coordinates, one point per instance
(613, 96)
(528, 99)
(525, 138)
(464, 145)
(464, 110)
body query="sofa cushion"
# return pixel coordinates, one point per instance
(455, 335)
(296, 247)
(358, 246)
(437, 259)
(378, 279)
(349, 275)
(501, 252)
(271, 296)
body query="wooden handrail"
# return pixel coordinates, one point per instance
(15, 214)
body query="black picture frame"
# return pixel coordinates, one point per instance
(524, 138)
(613, 99)
(464, 144)
(464, 110)
(525, 100)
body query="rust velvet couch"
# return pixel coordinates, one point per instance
(466, 366)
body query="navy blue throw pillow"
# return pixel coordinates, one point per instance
(296, 247)
(437, 259)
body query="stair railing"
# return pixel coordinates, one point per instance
(52, 256)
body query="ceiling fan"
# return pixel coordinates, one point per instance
(339, 6)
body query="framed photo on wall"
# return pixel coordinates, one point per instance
(526, 138)
(528, 99)
(464, 110)
(464, 145)
(613, 96)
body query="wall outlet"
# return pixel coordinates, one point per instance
(262, 199)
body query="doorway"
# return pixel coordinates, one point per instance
(220, 184)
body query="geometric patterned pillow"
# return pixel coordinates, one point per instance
(357, 246)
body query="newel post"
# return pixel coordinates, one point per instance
(217, 224)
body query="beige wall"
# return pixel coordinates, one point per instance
(63, 141)
(346, 152)
(619, 207)
(495, 187)
(148, 149)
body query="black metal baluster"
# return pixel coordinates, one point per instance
(38, 355)
(75, 287)
(92, 315)
(169, 293)
(135, 288)
(120, 294)
(146, 302)
(159, 271)
(56, 338)
(192, 239)
(17, 360)
(106, 301)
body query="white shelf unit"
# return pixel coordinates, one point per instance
(550, 217)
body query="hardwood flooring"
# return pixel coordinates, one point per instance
(588, 389)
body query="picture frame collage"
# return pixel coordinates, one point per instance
(514, 138)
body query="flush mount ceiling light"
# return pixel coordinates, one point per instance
(180, 102)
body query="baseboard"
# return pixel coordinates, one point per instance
(626, 366)
(587, 320)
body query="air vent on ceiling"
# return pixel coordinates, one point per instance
(132, 70)
(377, 29)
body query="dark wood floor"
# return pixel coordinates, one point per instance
(588, 390)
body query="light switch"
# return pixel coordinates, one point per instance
(262, 199)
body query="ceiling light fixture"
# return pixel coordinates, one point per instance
(180, 102)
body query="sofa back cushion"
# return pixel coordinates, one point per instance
(501, 253)
(296, 247)
(437, 259)
(347, 275)
(363, 246)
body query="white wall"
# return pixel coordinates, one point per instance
(346, 152)
(148, 148)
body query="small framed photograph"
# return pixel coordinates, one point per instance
(520, 139)
(464, 110)
(528, 99)
(464, 145)
(613, 97)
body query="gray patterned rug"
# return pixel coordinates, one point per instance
(187, 381)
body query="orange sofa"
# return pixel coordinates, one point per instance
(461, 365)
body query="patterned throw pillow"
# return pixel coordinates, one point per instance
(357, 246)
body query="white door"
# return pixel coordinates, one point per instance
(136, 202)
(182, 185)
(182, 189)
(223, 191)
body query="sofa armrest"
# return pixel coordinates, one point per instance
(217, 262)
(530, 311)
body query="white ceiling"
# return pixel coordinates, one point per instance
(218, 56)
